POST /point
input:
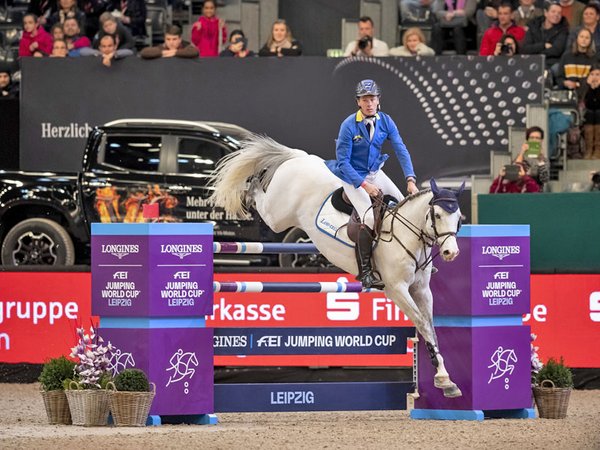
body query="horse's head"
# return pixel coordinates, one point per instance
(444, 219)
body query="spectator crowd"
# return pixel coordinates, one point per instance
(566, 32)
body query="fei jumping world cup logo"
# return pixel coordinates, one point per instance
(501, 364)
(182, 365)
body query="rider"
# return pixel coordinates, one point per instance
(358, 163)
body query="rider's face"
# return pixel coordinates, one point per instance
(368, 104)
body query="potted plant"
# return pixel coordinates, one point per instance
(552, 390)
(86, 393)
(130, 398)
(54, 373)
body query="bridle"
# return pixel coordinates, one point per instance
(427, 241)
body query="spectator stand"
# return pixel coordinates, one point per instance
(159, 14)
(11, 20)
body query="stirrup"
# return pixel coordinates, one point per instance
(370, 282)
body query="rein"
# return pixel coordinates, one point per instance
(424, 238)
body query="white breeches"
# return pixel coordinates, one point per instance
(361, 200)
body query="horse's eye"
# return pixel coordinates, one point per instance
(437, 216)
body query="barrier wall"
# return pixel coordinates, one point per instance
(565, 234)
(39, 313)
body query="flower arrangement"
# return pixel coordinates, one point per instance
(536, 364)
(92, 369)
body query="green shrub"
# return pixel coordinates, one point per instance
(132, 380)
(556, 372)
(55, 372)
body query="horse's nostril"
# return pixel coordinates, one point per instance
(446, 252)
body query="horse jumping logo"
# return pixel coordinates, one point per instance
(119, 361)
(181, 366)
(501, 362)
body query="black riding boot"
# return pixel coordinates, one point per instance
(364, 250)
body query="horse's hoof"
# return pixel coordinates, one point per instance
(452, 391)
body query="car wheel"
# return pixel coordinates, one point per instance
(38, 242)
(297, 236)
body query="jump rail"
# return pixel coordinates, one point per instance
(259, 248)
(317, 286)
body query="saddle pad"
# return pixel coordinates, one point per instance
(333, 222)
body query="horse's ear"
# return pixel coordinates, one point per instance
(460, 189)
(434, 187)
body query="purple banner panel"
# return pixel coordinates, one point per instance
(491, 366)
(182, 275)
(490, 277)
(178, 360)
(119, 275)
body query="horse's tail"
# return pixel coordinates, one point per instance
(259, 156)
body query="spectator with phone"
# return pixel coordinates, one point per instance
(494, 34)
(514, 179)
(531, 152)
(238, 46)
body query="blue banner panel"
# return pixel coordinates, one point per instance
(290, 397)
(312, 341)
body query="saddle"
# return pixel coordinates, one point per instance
(340, 201)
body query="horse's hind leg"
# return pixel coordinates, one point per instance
(421, 293)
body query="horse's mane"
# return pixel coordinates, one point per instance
(411, 197)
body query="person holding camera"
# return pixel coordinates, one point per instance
(490, 44)
(508, 46)
(238, 46)
(358, 164)
(366, 44)
(517, 181)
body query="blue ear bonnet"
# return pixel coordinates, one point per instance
(446, 199)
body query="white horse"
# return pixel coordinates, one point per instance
(288, 188)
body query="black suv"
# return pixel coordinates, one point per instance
(128, 165)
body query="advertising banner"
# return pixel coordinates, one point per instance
(39, 313)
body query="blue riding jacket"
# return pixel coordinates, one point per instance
(357, 154)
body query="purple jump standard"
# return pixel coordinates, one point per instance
(152, 288)
(479, 301)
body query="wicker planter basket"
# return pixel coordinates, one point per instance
(89, 407)
(130, 409)
(57, 407)
(552, 402)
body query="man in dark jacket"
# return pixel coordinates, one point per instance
(547, 35)
(174, 46)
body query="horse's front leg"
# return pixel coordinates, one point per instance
(421, 294)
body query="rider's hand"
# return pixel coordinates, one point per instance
(371, 189)
(411, 187)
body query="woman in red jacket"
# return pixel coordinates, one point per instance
(207, 31)
(35, 41)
